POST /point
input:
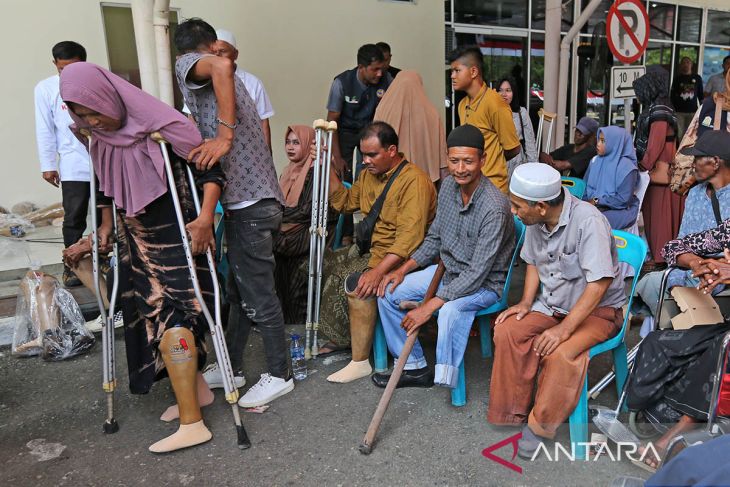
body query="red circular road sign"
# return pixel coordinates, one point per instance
(627, 30)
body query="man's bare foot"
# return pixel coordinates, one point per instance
(652, 458)
(205, 398)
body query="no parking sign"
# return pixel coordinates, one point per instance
(627, 30)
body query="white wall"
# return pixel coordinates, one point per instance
(296, 47)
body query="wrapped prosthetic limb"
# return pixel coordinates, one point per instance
(48, 320)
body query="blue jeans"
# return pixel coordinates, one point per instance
(454, 324)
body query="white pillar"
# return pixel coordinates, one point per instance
(563, 70)
(161, 22)
(553, 18)
(144, 37)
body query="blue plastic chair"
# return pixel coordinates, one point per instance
(576, 186)
(632, 250)
(221, 259)
(458, 394)
(340, 224)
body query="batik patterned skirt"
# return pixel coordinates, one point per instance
(156, 290)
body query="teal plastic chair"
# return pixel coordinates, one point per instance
(631, 250)
(340, 224)
(458, 394)
(576, 186)
(221, 259)
(484, 317)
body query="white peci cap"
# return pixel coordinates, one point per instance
(535, 181)
(226, 35)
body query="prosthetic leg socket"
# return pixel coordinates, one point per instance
(363, 313)
(180, 355)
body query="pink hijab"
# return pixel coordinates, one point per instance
(295, 174)
(127, 162)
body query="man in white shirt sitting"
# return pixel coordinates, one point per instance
(63, 158)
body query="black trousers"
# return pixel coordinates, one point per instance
(678, 367)
(75, 196)
(250, 234)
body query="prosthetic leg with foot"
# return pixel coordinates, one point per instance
(214, 324)
(180, 355)
(363, 313)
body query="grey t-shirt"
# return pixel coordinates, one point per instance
(716, 84)
(580, 249)
(249, 167)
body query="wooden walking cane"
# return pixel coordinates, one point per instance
(366, 445)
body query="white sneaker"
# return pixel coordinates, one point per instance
(213, 376)
(266, 390)
(94, 326)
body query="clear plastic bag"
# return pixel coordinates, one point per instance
(12, 225)
(48, 320)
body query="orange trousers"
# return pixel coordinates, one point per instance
(561, 374)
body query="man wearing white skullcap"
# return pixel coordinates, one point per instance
(570, 303)
(226, 47)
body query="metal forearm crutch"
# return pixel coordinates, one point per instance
(109, 379)
(318, 125)
(323, 207)
(216, 329)
(317, 234)
(631, 355)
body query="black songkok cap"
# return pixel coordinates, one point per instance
(466, 136)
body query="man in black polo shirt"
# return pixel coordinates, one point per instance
(353, 97)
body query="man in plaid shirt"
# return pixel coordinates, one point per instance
(473, 234)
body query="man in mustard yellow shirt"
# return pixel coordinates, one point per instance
(352, 280)
(486, 110)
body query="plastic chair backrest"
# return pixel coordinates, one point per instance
(219, 231)
(519, 239)
(631, 250)
(641, 186)
(337, 243)
(576, 186)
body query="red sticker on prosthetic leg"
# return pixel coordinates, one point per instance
(184, 344)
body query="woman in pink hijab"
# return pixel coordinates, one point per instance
(291, 245)
(164, 327)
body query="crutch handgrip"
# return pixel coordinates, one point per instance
(157, 137)
(320, 124)
(331, 126)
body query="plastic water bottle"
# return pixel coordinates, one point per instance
(298, 364)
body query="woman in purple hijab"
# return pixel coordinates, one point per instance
(164, 327)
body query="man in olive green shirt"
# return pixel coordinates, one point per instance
(408, 209)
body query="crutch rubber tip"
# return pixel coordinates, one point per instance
(243, 442)
(365, 449)
(111, 426)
